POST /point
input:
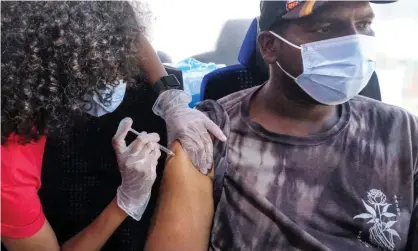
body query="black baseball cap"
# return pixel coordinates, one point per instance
(274, 11)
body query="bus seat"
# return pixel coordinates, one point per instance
(224, 81)
(253, 71)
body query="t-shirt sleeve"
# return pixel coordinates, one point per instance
(21, 214)
(220, 117)
(21, 210)
(413, 228)
(413, 232)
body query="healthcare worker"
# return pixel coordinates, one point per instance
(64, 63)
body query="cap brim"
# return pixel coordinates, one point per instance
(308, 7)
(383, 1)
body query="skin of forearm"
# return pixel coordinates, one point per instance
(150, 62)
(95, 235)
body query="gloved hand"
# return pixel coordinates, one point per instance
(191, 127)
(137, 163)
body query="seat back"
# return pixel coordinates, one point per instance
(253, 71)
(224, 81)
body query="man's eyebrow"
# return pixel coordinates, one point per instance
(324, 16)
(327, 14)
(319, 17)
(370, 15)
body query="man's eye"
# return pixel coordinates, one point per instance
(364, 25)
(323, 29)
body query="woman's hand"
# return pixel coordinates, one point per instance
(189, 126)
(137, 163)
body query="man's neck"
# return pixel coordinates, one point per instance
(278, 113)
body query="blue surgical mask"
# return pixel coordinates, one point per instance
(97, 108)
(335, 70)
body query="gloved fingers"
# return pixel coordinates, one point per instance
(171, 136)
(136, 146)
(156, 152)
(154, 163)
(142, 144)
(135, 163)
(215, 130)
(146, 155)
(152, 137)
(118, 140)
(206, 155)
(147, 149)
(142, 173)
(197, 147)
(155, 155)
(151, 144)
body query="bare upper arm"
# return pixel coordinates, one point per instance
(184, 213)
(43, 240)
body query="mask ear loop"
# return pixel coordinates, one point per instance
(289, 43)
(288, 74)
(284, 40)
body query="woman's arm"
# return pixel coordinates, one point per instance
(137, 163)
(150, 62)
(184, 213)
(95, 235)
(91, 238)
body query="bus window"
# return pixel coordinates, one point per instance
(397, 64)
(210, 31)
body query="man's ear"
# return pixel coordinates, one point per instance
(268, 47)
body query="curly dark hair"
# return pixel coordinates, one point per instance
(53, 53)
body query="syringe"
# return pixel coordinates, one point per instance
(162, 148)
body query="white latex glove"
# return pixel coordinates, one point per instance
(190, 126)
(137, 163)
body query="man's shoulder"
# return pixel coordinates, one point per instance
(381, 110)
(236, 98)
(225, 107)
(386, 118)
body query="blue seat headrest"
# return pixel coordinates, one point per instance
(249, 54)
(249, 44)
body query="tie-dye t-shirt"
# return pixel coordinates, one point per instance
(353, 187)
